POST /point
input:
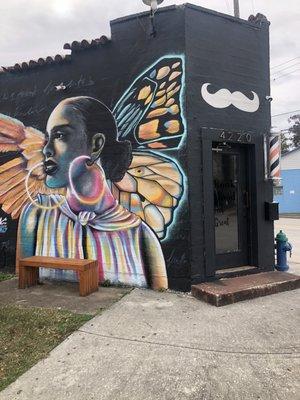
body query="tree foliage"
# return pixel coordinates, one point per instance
(285, 143)
(290, 138)
(294, 130)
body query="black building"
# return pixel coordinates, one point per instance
(192, 98)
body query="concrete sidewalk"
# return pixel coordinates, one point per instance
(291, 227)
(170, 346)
(61, 295)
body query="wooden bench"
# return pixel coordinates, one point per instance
(87, 271)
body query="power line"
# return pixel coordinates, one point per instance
(279, 65)
(253, 7)
(289, 73)
(285, 113)
(283, 69)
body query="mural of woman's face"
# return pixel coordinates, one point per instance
(66, 140)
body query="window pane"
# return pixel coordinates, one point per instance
(225, 172)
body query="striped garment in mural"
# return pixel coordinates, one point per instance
(115, 239)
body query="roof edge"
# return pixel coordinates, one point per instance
(40, 62)
(86, 44)
(143, 14)
(58, 58)
(253, 21)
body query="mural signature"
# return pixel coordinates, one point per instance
(21, 112)
(82, 82)
(18, 95)
(177, 258)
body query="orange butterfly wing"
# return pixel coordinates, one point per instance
(151, 188)
(27, 146)
(150, 113)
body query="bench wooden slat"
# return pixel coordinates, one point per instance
(88, 271)
(57, 263)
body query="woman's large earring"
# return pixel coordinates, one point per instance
(97, 175)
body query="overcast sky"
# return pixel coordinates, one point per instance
(30, 29)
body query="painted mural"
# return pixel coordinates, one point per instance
(99, 183)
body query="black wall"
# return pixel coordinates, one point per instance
(105, 73)
(218, 49)
(231, 54)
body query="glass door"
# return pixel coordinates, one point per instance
(231, 205)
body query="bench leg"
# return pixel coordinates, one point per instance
(88, 281)
(95, 279)
(28, 276)
(82, 283)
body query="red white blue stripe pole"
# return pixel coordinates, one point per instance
(274, 157)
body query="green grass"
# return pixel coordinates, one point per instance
(5, 277)
(28, 334)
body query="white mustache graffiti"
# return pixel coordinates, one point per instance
(223, 98)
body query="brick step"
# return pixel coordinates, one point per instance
(231, 290)
(236, 271)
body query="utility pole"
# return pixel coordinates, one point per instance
(236, 7)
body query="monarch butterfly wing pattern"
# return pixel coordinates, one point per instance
(26, 147)
(149, 114)
(131, 108)
(151, 188)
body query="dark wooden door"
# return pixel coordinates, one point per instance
(231, 205)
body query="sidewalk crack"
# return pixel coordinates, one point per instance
(255, 353)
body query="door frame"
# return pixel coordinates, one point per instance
(252, 144)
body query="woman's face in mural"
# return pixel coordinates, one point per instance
(66, 140)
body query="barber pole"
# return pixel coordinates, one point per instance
(274, 157)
